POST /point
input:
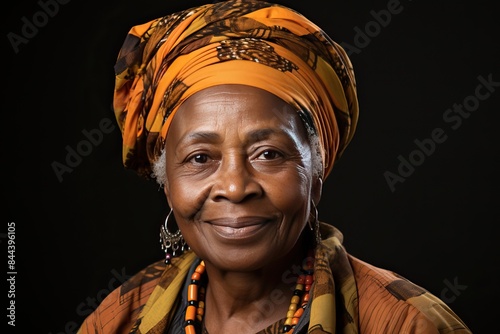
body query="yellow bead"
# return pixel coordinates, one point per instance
(290, 314)
(292, 307)
(295, 299)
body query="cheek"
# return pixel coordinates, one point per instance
(186, 199)
(185, 195)
(291, 193)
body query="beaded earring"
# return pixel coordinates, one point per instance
(172, 243)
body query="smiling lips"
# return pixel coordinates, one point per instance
(238, 228)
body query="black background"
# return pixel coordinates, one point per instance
(78, 236)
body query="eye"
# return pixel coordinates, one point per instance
(270, 155)
(199, 158)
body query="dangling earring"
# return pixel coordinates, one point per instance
(171, 242)
(314, 220)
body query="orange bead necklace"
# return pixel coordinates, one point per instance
(195, 308)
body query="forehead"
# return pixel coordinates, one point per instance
(235, 105)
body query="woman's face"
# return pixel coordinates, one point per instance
(239, 176)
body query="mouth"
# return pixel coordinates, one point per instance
(239, 228)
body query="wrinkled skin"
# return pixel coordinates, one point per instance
(240, 180)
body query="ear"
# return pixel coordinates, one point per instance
(316, 189)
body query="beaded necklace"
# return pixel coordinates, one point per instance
(195, 308)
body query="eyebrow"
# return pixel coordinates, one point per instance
(252, 137)
(203, 136)
(262, 134)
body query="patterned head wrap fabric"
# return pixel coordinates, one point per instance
(249, 42)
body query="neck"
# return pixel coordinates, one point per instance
(251, 301)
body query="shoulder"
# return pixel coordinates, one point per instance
(390, 303)
(118, 312)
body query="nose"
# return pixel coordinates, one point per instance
(236, 181)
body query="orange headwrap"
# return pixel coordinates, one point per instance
(249, 42)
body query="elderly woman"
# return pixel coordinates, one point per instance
(240, 109)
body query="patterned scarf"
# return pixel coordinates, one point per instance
(255, 43)
(334, 305)
(348, 296)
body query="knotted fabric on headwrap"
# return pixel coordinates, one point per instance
(255, 43)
